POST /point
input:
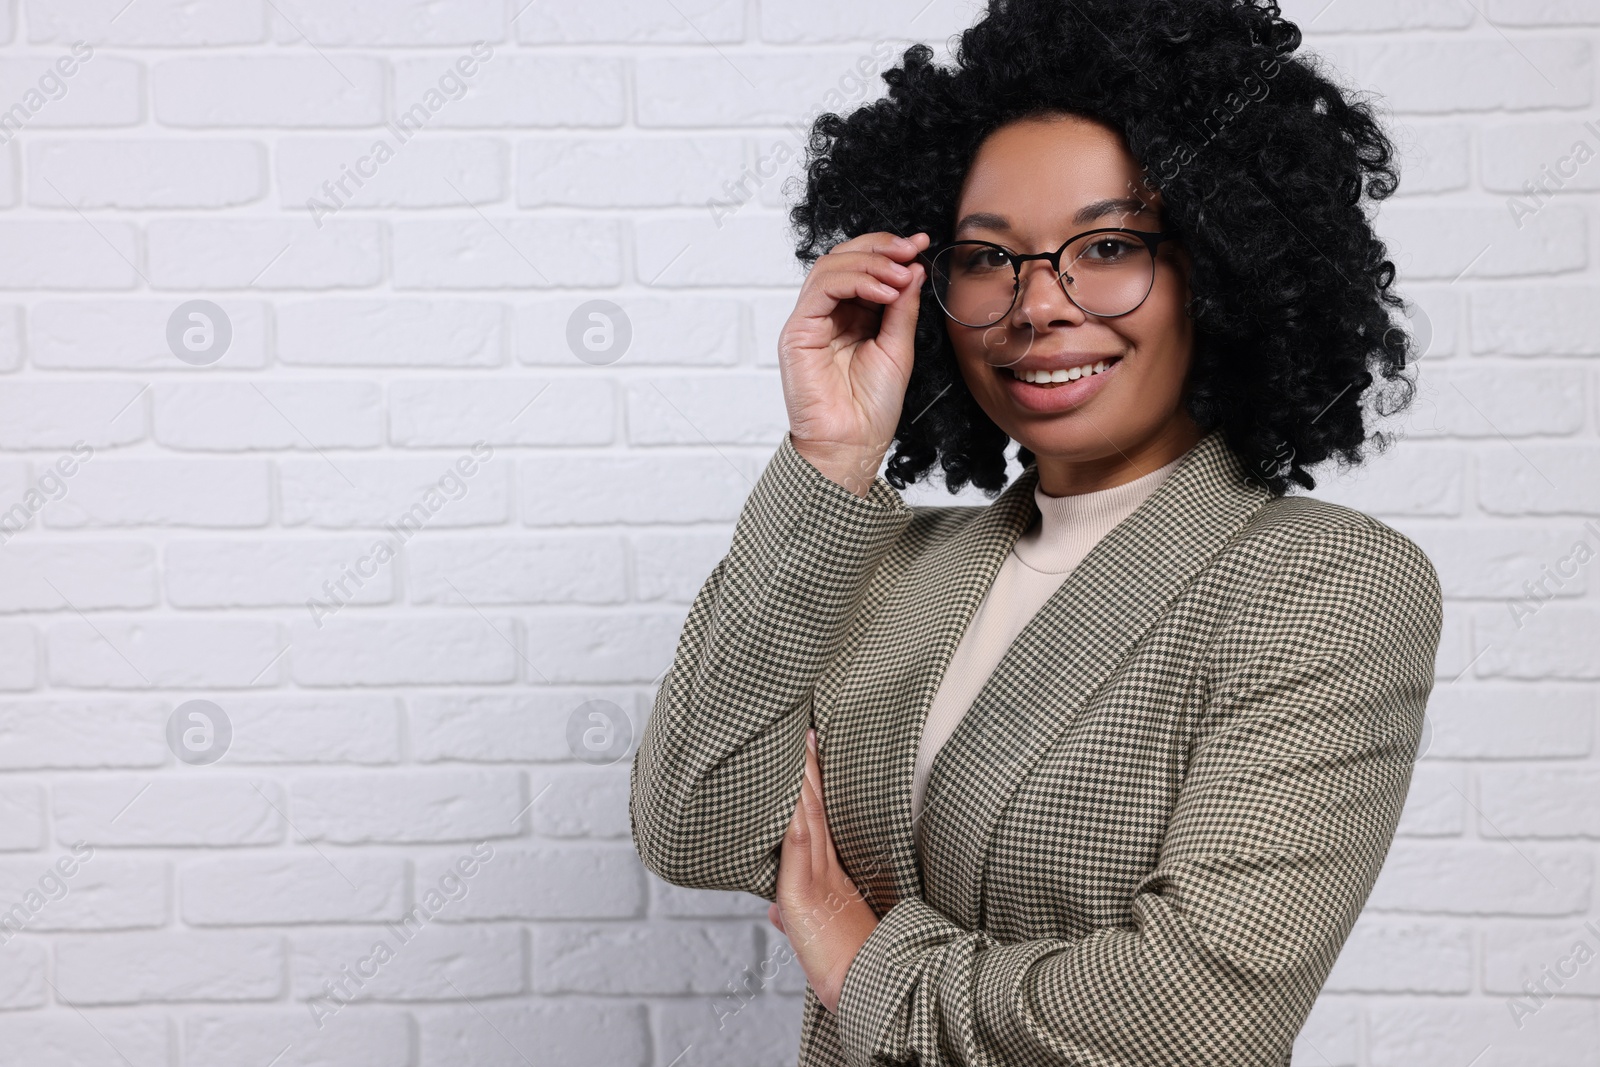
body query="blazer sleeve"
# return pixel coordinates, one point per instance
(1294, 787)
(719, 767)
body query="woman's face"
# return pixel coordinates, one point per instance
(1033, 184)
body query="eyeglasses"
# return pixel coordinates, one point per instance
(1105, 272)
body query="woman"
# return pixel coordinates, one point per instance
(1103, 772)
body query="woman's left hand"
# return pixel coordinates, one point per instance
(818, 908)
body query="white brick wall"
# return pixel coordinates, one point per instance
(497, 532)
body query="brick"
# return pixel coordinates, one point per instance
(1539, 162)
(19, 656)
(68, 255)
(602, 646)
(670, 959)
(257, 90)
(436, 962)
(507, 411)
(789, 87)
(1411, 479)
(520, 91)
(1501, 559)
(1546, 13)
(59, 415)
(102, 892)
(1498, 721)
(115, 1039)
(1369, 16)
(257, 573)
(606, 171)
(154, 810)
(387, 22)
(1384, 955)
(414, 806)
(1541, 954)
(165, 653)
(298, 728)
(1488, 877)
(170, 966)
(633, 22)
(214, 173)
(1540, 802)
(401, 496)
(1448, 243)
(333, 887)
(22, 808)
(1559, 641)
(1498, 401)
(200, 254)
(101, 90)
(1557, 319)
(1532, 72)
(22, 982)
(688, 251)
(435, 650)
(591, 803)
(581, 569)
(1405, 1031)
(83, 733)
(1539, 479)
(573, 1030)
(356, 1037)
(679, 902)
(500, 727)
(507, 253)
(738, 1028)
(688, 330)
(348, 172)
(687, 486)
(729, 409)
(246, 416)
(548, 882)
(1436, 804)
(157, 23)
(670, 567)
(88, 574)
(403, 333)
(132, 335)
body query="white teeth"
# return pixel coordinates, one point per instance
(1066, 374)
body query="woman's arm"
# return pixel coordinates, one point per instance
(1285, 816)
(718, 772)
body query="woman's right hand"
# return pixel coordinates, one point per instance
(845, 354)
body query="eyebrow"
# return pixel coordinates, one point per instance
(1088, 213)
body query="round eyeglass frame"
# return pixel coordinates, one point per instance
(1152, 240)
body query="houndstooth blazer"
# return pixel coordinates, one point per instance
(1148, 838)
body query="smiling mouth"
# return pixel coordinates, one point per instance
(1065, 374)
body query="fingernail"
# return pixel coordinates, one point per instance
(811, 738)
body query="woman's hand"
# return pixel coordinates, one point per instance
(845, 354)
(818, 908)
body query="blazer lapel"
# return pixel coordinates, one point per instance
(1052, 669)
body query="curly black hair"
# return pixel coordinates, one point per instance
(1264, 167)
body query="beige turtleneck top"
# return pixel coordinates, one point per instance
(1067, 528)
